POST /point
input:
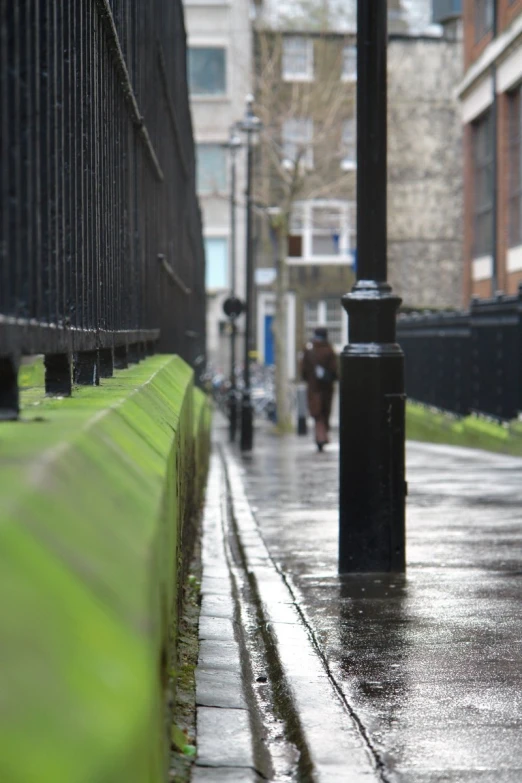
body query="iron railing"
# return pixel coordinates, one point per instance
(101, 251)
(469, 361)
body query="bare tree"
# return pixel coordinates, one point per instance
(308, 125)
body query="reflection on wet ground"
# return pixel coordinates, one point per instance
(429, 662)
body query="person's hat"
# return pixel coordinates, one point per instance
(321, 333)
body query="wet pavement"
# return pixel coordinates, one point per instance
(428, 665)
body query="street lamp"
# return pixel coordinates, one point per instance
(233, 145)
(372, 400)
(249, 125)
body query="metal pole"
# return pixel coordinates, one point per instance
(247, 424)
(372, 400)
(494, 165)
(232, 402)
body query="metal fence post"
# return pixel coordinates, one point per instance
(106, 362)
(58, 374)
(372, 401)
(120, 357)
(87, 368)
(9, 399)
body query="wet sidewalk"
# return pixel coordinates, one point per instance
(409, 679)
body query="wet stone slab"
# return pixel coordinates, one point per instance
(219, 655)
(212, 585)
(224, 775)
(459, 776)
(216, 628)
(217, 606)
(219, 688)
(224, 738)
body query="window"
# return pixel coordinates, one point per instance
(298, 58)
(349, 73)
(295, 234)
(207, 70)
(484, 14)
(216, 256)
(349, 144)
(446, 11)
(483, 185)
(211, 168)
(515, 173)
(322, 230)
(298, 134)
(324, 312)
(326, 231)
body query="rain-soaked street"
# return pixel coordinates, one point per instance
(429, 664)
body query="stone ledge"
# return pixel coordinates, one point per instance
(95, 491)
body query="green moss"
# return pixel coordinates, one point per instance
(95, 490)
(32, 373)
(437, 427)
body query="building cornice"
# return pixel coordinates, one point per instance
(492, 53)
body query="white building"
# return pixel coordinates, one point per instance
(219, 73)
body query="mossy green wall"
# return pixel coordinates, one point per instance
(94, 491)
(434, 426)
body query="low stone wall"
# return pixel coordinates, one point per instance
(96, 495)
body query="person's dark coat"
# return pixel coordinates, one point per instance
(319, 370)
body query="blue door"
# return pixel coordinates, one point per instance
(269, 340)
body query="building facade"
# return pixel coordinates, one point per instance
(425, 179)
(491, 108)
(219, 65)
(313, 81)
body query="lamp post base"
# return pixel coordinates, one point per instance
(247, 423)
(372, 432)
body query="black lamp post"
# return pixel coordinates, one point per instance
(372, 400)
(249, 125)
(233, 145)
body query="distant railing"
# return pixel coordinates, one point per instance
(101, 252)
(469, 361)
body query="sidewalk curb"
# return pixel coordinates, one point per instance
(333, 741)
(225, 739)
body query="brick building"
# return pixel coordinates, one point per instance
(490, 95)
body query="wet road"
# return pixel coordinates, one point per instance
(430, 663)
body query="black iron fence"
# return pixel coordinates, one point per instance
(101, 253)
(467, 362)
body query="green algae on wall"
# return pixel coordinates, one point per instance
(94, 490)
(435, 426)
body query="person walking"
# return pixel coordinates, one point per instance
(319, 370)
